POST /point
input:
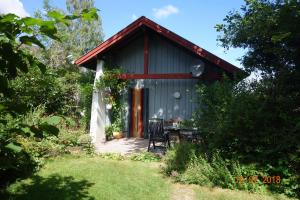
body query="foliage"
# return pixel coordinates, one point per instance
(243, 122)
(56, 89)
(86, 95)
(76, 39)
(113, 87)
(145, 157)
(178, 158)
(259, 122)
(102, 179)
(187, 123)
(75, 36)
(142, 156)
(17, 36)
(88, 39)
(86, 142)
(269, 31)
(109, 132)
(112, 156)
(38, 149)
(196, 168)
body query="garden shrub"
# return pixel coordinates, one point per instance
(145, 157)
(57, 89)
(85, 141)
(196, 168)
(34, 150)
(179, 157)
(86, 82)
(199, 171)
(248, 122)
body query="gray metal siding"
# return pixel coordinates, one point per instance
(131, 57)
(167, 57)
(164, 57)
(162, 102)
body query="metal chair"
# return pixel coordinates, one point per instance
(156, 133)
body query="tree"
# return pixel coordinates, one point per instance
(76, 39)
(76, 36)
(269, 31)
(84, 35)
(264, 120)
(17, 36)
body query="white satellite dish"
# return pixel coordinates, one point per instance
(198, 69)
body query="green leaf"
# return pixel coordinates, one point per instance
(2, 107)
(49, 129)
(54, 120)
(26, 130)
(31, 40)
(22, 64)
(72, 17)
(70, 122)
(37, 131)
(29, 21)
(41, 66)
(14, 147)
(56, 15)
(3, 83)
(90, 14)
(280, 37)
(48, 28)
(9, 18)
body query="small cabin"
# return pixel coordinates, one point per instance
(163, 69)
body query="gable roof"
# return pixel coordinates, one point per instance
(143, 21)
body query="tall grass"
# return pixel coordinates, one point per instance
(186, 164)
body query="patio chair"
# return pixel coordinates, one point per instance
(156, 133)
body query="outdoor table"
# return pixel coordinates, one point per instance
(183, 134)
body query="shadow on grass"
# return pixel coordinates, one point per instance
(53, 187)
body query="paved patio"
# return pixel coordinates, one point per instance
(127, 146)
(123, 146)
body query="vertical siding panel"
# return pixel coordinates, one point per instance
(167, 98)
(169, 59)
(177, 64)
(163, 98)
(164, 57)
(191, 96)
(183, 102)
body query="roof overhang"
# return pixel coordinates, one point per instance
(91, 56)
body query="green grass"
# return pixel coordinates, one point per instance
(82, 177)
(93, 178)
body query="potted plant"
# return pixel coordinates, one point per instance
(116, 131)
(108, 132)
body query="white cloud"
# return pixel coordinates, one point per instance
(165, 11)
(13, 6)
(134, 17)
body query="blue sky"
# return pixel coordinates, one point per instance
(192, 19)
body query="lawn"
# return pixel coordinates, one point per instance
(84, 177)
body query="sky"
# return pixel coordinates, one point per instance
(194, 20)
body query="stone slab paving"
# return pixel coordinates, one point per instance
(123, 146)
(126, 146)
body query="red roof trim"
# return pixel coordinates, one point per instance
(208, 76)
(163, 31)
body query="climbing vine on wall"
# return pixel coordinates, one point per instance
(113, 87)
